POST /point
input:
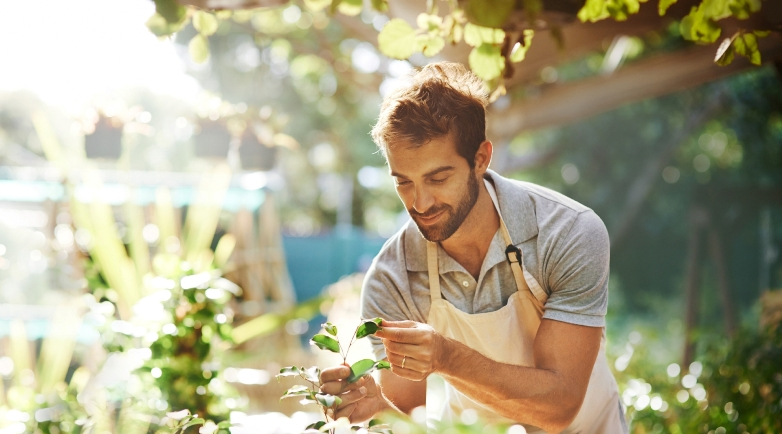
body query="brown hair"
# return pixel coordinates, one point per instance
(442, 98)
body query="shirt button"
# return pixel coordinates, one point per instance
(465, 283)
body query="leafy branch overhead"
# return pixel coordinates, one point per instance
(499, 31)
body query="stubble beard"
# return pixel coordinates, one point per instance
(454, 218)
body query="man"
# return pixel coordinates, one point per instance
(498, 286)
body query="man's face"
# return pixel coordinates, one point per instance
(436, 185)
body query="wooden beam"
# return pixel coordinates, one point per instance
(558, 104)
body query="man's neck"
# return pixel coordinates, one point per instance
(470, 243)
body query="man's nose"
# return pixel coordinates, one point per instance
(422, 200)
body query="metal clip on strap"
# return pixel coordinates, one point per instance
(513, 254)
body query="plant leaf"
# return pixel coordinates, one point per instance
(380, 5)
(160, 27)
(328, 400)
(664, 5)
(746, 44)
(205, 23)
(489, 13)
(330, 328)
(325, 343)
(351, 8)
(519, 51)
(477, 35)
(486, 61)
(371, 326)
(316, 425)
(288, 371)
(172, 11)
(198, 48)
(397, 39)
(725, 53)
(312, 374)
(364, 367)
(430, 45)
(297, 390)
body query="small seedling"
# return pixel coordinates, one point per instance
(330, 342)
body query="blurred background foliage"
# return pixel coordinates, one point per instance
(290, 93)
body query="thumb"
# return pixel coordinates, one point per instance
(398, 324)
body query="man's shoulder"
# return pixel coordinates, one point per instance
(541, 196)
(392, 256)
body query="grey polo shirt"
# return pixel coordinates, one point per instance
(564, 246)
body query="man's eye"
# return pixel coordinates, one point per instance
(437, 181)
(400, 182)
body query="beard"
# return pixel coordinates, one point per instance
(453, 218)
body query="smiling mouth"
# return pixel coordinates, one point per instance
(430, 219)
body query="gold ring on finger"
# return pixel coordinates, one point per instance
(403, 361)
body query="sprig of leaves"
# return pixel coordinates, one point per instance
(330, 342)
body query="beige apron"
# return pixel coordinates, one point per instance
(519, 321)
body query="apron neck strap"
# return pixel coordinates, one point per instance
(512, 252)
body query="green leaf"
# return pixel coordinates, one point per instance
(316, 5)
(368, 327)
(664, 5)
(489, 13)
(160, 27)
(380, 5)
(746, 45)
(172, 11)
(312, 374)
(592, 11)
(519, 51)
(532, 9)
(328, 400)
(364, 367)
(317, 425)
(194, 421)
(198, 48)
(430, 44)
(224, 424)
(289, 371)
(325, 343)
(477, 35)
(397, 39)
(330, 328)
(298, 390)
(486, 61)
(205, 23)
(725, 53)
(699, 27)
(351, 8)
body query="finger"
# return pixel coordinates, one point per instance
(336, 373)
(353, 396)
(413, 336)
(346, 411)
(409, 350)
(410, 364)
(339, 387)
(410, 374)
(398, 324)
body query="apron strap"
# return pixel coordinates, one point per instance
(513, 253)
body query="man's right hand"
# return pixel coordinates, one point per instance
(360, 400)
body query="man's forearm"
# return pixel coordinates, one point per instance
(532, 396)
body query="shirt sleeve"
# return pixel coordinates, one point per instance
(381, 294)
(578, 278)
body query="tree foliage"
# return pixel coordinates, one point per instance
(492, 28)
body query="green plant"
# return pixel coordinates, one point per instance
(311, 394)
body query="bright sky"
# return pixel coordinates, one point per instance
(69, 52)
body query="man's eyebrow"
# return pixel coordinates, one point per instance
(427, 174)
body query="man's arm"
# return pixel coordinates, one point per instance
(547, 395)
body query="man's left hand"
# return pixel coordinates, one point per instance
(413, 349)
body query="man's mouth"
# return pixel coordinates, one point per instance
(430, 219)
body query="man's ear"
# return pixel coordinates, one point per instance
(483, 157)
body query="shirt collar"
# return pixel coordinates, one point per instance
(517, 210)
